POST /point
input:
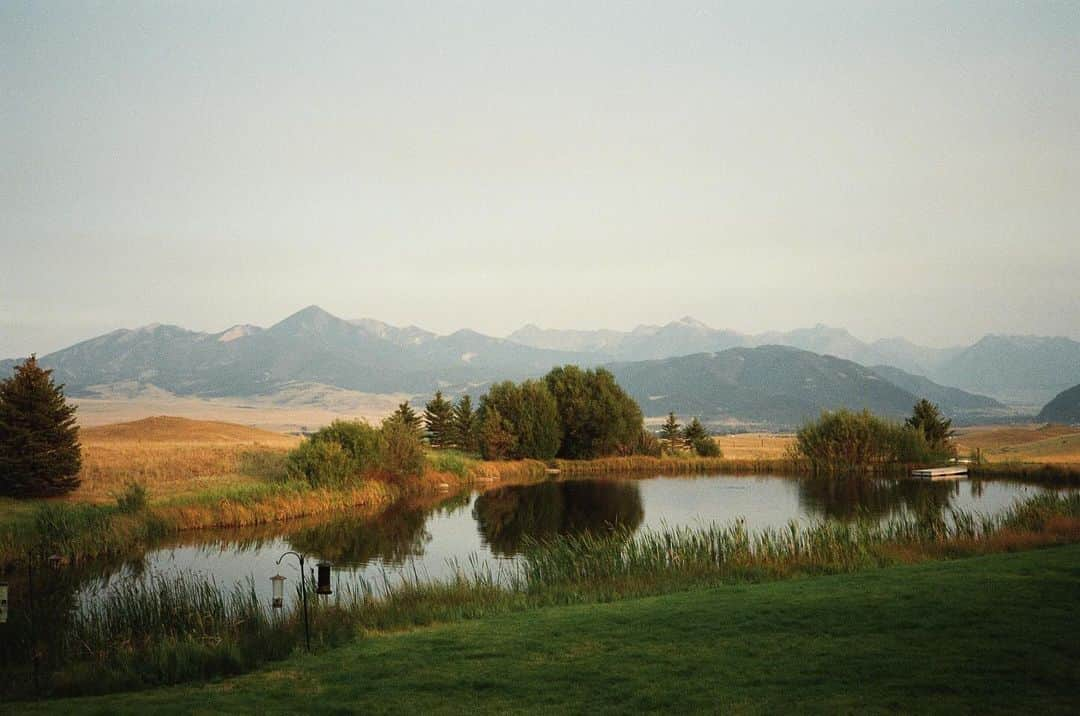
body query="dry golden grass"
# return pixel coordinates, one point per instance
(755, 446)
(172, 456)
(1053, 444)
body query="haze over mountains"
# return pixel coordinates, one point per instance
(772, 378)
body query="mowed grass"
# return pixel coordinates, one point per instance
(1052, 444)
(173, 457)
(985, 634)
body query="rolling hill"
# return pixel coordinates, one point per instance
(1064, 408)
(774, 387)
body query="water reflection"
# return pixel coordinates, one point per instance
(855, 497)
(506, 516)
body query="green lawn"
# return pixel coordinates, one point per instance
(998, 633)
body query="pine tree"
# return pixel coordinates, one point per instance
(936, 427)
(496, 436)
(694, 431)
(40, 453)
(438, 416)
(464, 425)
(669, 432)
(408, 417)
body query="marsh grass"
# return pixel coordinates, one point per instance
(184, 628)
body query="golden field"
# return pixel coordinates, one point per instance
(174, 456)
(1048, 444)
(755, 446)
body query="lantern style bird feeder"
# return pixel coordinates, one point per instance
(3, 602)
(323, 586)
(277, 583)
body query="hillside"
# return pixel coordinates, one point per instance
(774, 386)
(1019, 369)
(952, 400)
(166, 428)
(1064, 408)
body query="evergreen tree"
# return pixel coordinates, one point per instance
(407, 417)
(465, 426)
(438, 416)
(669, 432)
(40, 453)
(936, 427)
(531, 415)
(694, 431)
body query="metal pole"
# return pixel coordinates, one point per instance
(303, 596)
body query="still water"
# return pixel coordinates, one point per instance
(488, 529)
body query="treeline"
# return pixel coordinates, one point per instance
(845, 441)
(570, 413)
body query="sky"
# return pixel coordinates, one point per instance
(895, 168)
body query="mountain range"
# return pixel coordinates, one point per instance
(1021, 370)
(691, 365)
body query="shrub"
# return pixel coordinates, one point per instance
(321, 463)
(705, 446)
(403, 451)
(845, 441)
(360, 441)
(133, 498)
(648, 444)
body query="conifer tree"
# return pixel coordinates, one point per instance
(694, 431)
(40, 453)
(438, 416)
(464, 425)
(927, 417)
(408, 417)
(669, 431)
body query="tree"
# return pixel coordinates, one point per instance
(407, 417)
(40, 453)
(465, 426)
(497, 440)
(438, 416)
(705, 446)
(694, 431)
(936, 427)
(597, 417)
(403, 453)
(669, 432)
(531, 415)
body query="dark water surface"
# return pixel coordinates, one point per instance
(487, 529)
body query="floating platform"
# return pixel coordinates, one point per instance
(953, 472)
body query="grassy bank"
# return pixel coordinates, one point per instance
(992, 634)
(176, 631)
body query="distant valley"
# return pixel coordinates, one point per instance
(770, 380)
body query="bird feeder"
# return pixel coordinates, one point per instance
(3, 602)
(277, 583)
(323, 585)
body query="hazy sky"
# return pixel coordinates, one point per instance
(908, 168)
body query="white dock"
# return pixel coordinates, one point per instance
(953, 472)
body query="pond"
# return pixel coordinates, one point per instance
(487, 529)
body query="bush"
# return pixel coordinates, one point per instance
(321, 463)
(133, 498)
(403, 451)
(705, 446)
(451, 461)
(360, 441)
(648, 444)
(845, 441)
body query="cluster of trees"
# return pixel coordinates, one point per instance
(40, 455)
(569, 413)
(846, 441)
(692, 437)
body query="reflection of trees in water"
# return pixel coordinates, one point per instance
(507, 515)
(851, 497)
(395, 536)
